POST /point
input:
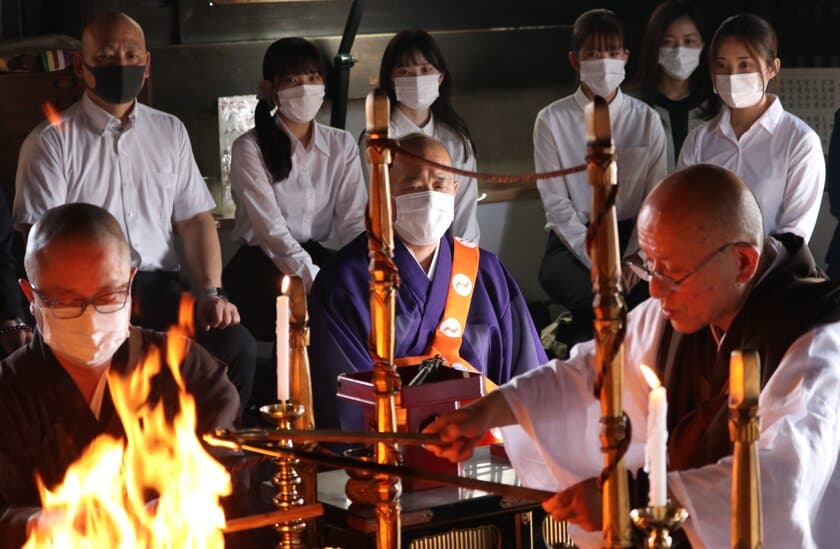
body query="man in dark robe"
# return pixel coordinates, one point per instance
(497, 338)
(717, 285)
(54, 392)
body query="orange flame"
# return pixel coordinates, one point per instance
(51, 113)
(104, 500)
(284, 286)
(650, 376)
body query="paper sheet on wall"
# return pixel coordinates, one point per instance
(812, 94)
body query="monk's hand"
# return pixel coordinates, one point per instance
(216, 312)
(459, 432)
(41, 525)
(579, 504)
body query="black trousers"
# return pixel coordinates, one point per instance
(252, 281)
(568, 282)
(155, 299)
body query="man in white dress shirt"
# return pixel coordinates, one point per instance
(598, 56)
(718, 285)
(112, 151)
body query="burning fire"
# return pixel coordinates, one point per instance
(157, 489)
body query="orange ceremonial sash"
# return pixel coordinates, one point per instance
(450, 330)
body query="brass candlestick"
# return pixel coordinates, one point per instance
(744, 431)
(286, 480)
(610, 315)
(383, 295)
(658, 522)
(300, 391)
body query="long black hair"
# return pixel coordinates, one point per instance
(402, 50)
(283, 58)
(699, 84)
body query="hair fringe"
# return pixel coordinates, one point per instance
(405, 43)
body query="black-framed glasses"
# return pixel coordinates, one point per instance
(643, 271)
(73, 306)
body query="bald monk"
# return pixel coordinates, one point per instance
(717, 285)
(54, 393)
(137, 163)
(455, 300)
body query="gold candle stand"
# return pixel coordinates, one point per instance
(383, 295)
(300, 391)
(610, 315)
(286, 480)
(744, 430)
(658, 522)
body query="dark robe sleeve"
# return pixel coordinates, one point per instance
(18, 494)
(338, 345)
(526, 349)
(216, 399)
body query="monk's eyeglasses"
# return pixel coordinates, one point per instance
(645, 273)
(73, 307)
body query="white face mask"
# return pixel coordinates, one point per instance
(90, 339)
(417, 92)
(301, 103)
(740, 91)
(602, 76)
(679, 63)
(422, 218)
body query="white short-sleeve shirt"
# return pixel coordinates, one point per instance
(560, 142)
(144, 174)
(324, 195)
(465, 223)
(780, 158)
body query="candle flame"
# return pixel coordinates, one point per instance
(284, 286)
(51, 113)
(650, 376)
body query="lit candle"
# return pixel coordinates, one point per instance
(657, 440)
(282, 330)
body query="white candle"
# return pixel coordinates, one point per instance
(657, 440)
(282, 329)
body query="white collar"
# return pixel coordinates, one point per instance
(102, 119)
(430, 274)
(614, 106)
(405, 125)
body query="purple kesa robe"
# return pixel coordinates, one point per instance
(499, 340)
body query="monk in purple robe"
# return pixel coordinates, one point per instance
(498, 337)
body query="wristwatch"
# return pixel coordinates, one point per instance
(215, 292)
(19, 326)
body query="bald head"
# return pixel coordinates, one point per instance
(425, 146)
(706, 204)
(102, 27)
(77, 226)
(410, 175)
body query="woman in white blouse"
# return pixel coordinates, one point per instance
(295, 183)
(414, 74)
(598, 56)
(775, 153)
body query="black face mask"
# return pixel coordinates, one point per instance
(118, 83)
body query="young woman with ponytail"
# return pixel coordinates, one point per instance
(776, 154)
(295, 183)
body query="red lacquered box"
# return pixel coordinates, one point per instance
(417, 406)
